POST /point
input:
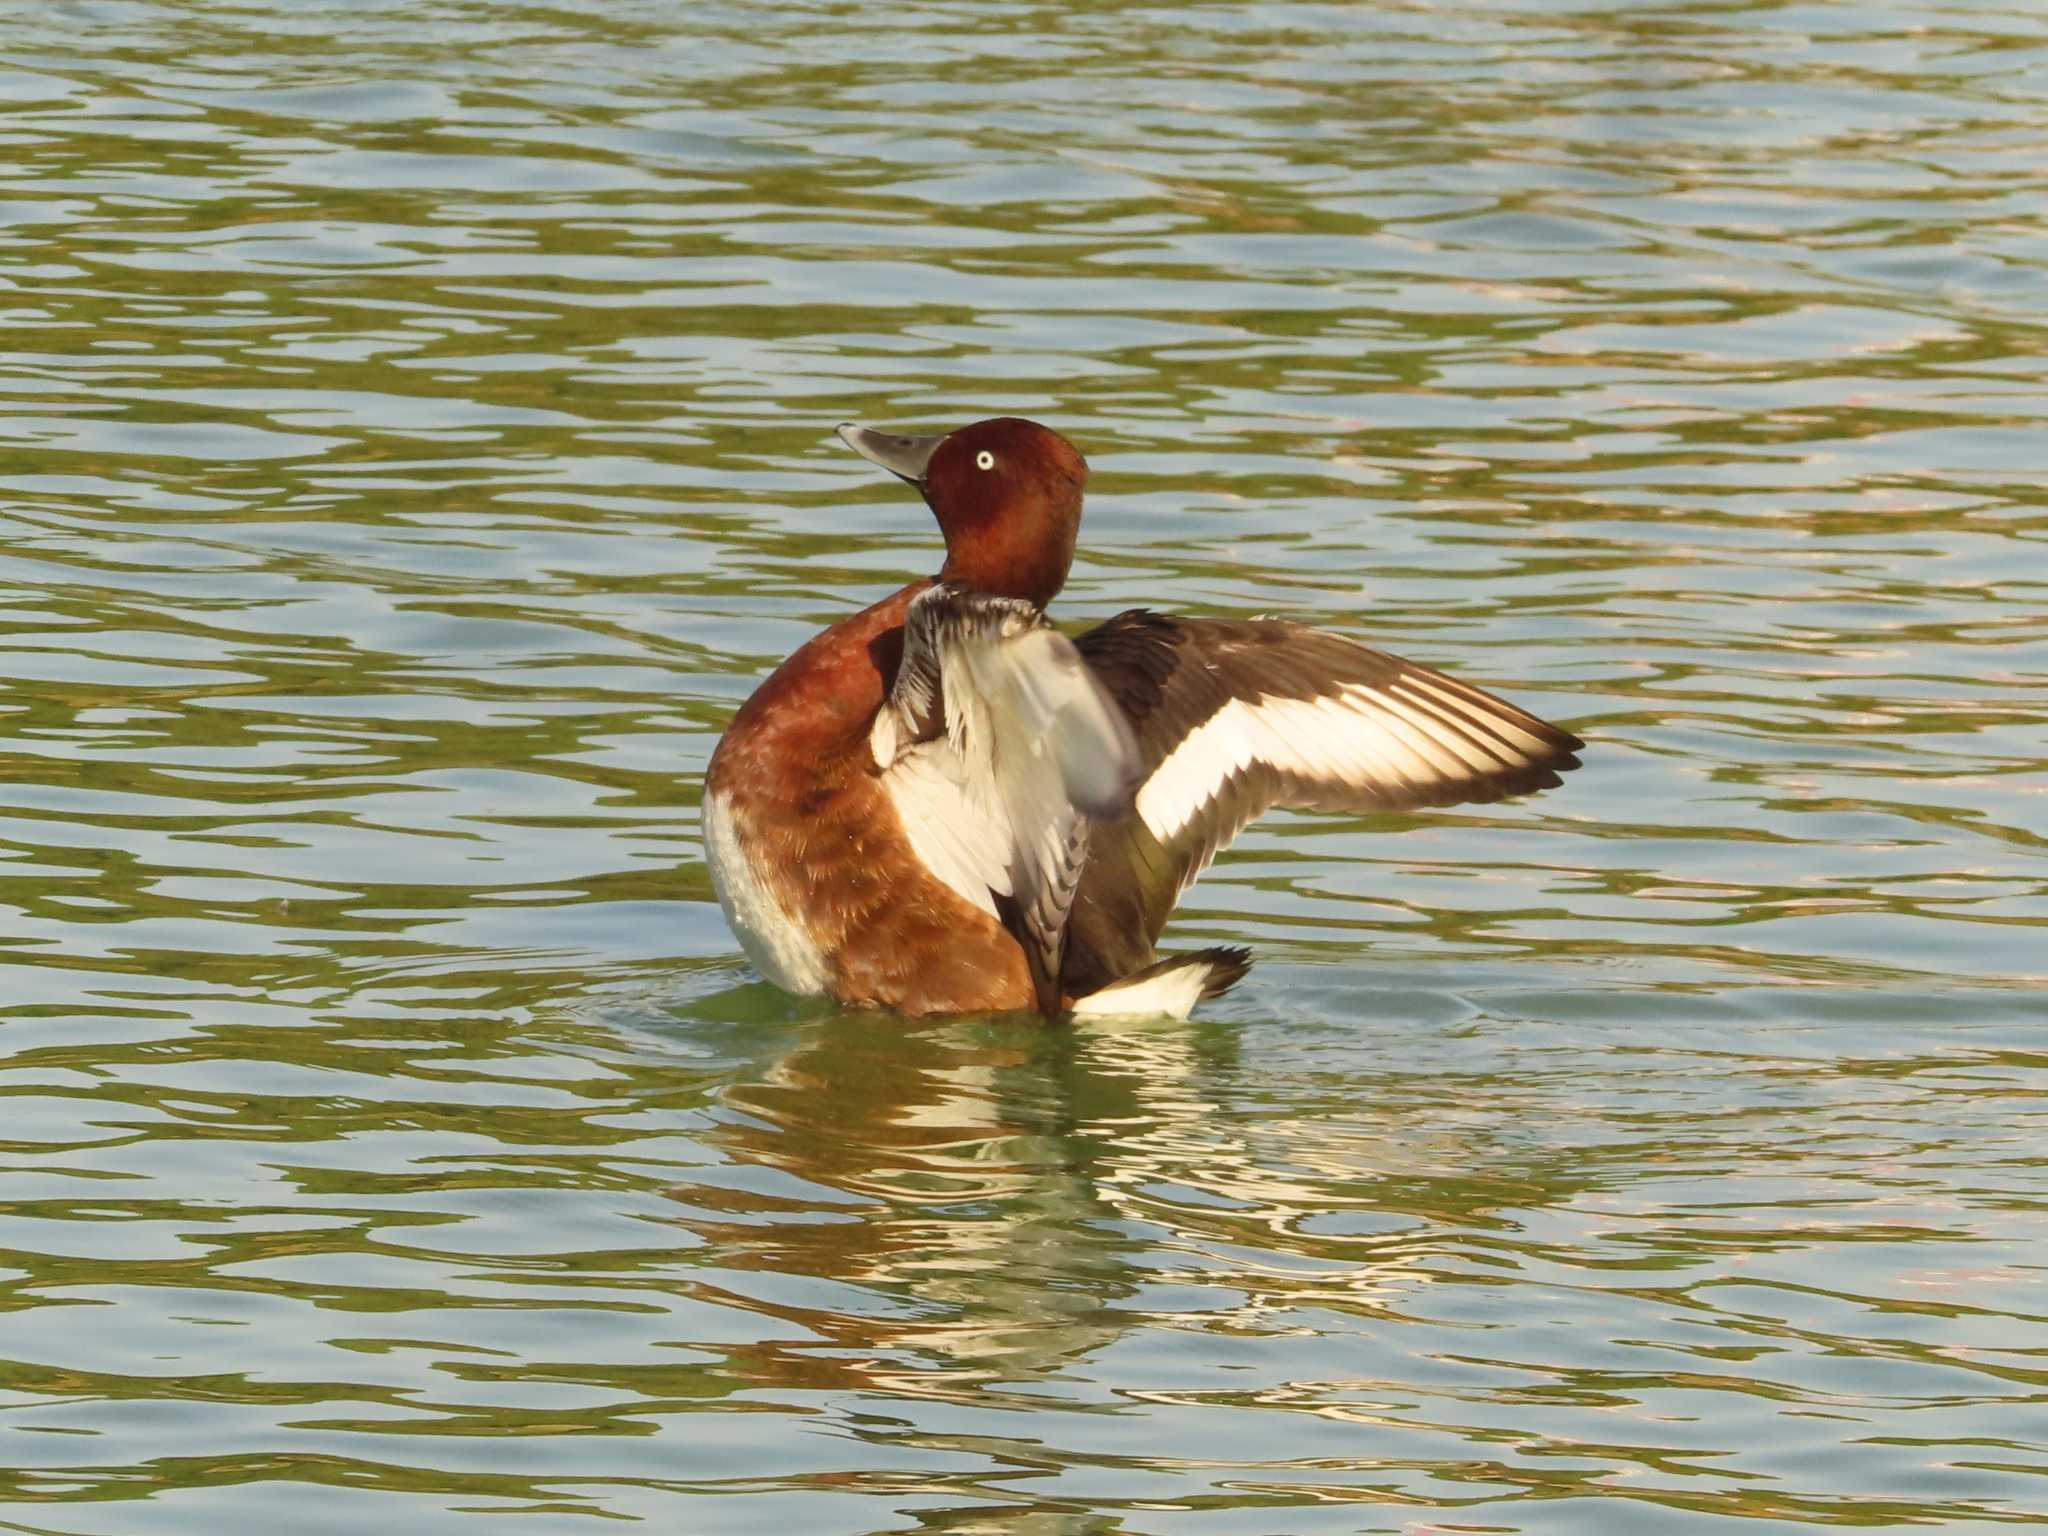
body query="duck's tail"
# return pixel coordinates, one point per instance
(1169, 988)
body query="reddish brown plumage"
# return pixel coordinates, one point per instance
(816, 826)
(1010, 526)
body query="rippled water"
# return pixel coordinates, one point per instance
(413, 444)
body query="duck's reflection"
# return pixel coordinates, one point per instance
(941, 1168)
(959, 1206)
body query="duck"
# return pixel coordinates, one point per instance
(943, 804)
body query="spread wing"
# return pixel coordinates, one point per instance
(1234, 717)
(997, 746)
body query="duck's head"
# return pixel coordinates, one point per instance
(1006, 492)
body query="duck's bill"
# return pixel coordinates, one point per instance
(904, 457)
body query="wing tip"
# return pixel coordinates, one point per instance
(1534, 773)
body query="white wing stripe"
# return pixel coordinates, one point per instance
(1346, 737)
(1190, 775)
(1451, 723)
(1450, 757)
(1414, 733)
(1381, 754)
(1484, 713)
(1455, 735)
(1444, 764)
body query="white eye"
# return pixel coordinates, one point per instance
(984, 460)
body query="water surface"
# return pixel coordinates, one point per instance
(414, 442)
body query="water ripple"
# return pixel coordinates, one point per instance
(414, 442)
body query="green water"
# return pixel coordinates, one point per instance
(414, 442)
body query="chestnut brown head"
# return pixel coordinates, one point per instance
(1007, 496)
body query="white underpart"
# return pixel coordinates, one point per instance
(1167, 994)
(1359, 735)
(782, 951)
